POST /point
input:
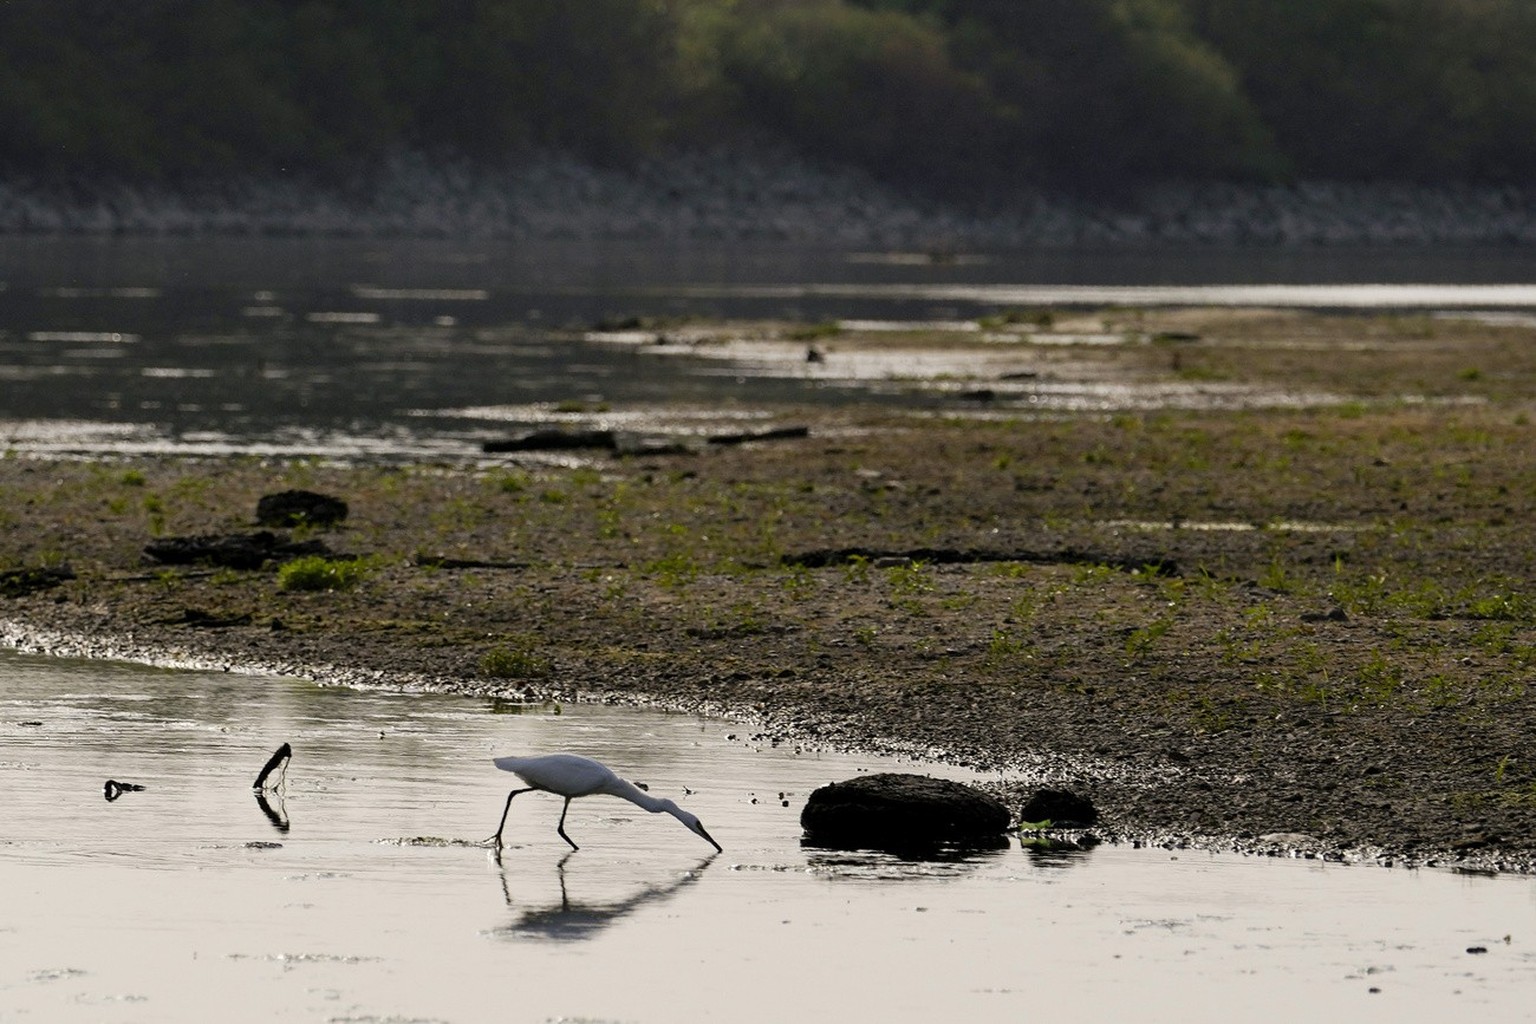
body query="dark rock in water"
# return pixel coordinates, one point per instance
(1063, 809)
(553, 439)
(21, 582)
(901, 811)
(231, 550)
(300, 508)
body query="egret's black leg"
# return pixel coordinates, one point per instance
(496, 839)
(561, 827)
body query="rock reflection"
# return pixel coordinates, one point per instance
(926, 861)
(1058, 852)
(946, 852)
(574, 920)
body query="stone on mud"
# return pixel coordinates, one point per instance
(300, 508)
(893, 809)
(1062, 808)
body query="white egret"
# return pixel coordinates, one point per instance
(571, 776)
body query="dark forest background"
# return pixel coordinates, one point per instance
(944, 94)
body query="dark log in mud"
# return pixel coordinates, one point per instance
(20, 582)
(199, 619)
(750, 436)
(553, 439)
(231, 550)
(819, 558)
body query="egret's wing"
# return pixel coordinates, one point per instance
(566, 774)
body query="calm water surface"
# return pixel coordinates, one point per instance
(418, 348)
(356, 894)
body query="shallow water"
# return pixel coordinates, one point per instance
(358, 895)
(373, 349)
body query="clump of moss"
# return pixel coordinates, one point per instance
(315, 572)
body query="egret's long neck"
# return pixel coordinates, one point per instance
(634, 794)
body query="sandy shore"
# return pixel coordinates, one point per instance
(1303, 628)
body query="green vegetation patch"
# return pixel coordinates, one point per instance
(316, 572)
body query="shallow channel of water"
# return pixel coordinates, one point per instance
(375, 348)
(356, 893)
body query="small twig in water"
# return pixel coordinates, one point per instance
(112, 789)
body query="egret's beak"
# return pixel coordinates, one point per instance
(699, 828)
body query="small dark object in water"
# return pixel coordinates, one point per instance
(1061, 808)
(280, 755)
(892, 810)
(1477, 949)
(300, 508)
(112, 789)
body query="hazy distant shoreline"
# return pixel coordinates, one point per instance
(763, 195)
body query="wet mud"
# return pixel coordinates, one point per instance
(1347, 677)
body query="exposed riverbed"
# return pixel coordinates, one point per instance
(1235, 571)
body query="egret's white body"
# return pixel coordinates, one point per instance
(571, 776)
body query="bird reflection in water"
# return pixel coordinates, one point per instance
(277, 815)
(572, 920)
(278, 762)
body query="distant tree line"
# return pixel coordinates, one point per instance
(1082, 93)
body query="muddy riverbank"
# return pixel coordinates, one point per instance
(1306, 627)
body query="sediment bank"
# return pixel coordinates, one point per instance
(1303, 628)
